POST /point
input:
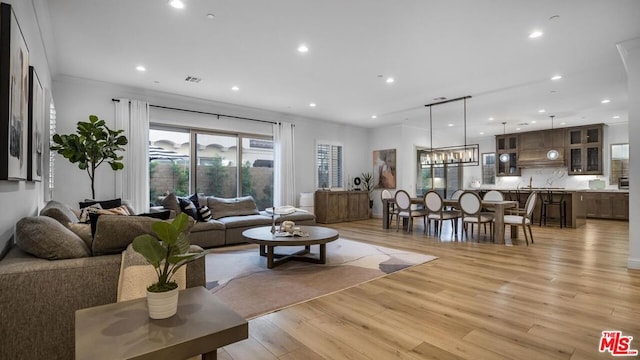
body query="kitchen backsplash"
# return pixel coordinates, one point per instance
(548, 177)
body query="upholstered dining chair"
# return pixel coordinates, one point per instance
(403, 203)
(455, 196)
(386, 195)
(525, 219)
(471, 207)
(436, 213)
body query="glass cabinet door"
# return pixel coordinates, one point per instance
(592, 135)
(593, 159)
(575, 137)
(575, 161)
(510, 167)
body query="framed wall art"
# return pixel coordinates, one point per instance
(384, 169)
(14, 97)
(36, 127)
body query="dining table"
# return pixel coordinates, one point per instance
(498, 206)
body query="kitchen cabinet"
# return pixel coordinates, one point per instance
(339, 206)
(584, 148)
(607, 205)
(507, 145)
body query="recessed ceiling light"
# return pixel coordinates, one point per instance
(518, 129)
(542, 111)
(450, 125)
(312, 104)
(491, 119)
(605, 101)
(178, 4)
(481, 132)
(210, 16)
(374, 116)
(616, 116)
(563, 123)
(556, 77)
(533, 121)
(303, 48)
(535, 34)
(141, 68)
(235, 88)
(390, 80)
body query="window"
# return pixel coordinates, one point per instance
(489, 168)
(222, 165)
(329, 160)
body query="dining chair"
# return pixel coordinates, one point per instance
(471, 207)
(405, 211)
(491, 195)
(455, 196)
(437, 213)
(391, 206)
(525, 219)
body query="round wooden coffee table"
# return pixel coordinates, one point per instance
(318, 235)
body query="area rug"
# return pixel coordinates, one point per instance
(239, 276)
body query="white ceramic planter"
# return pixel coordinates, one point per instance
(163, 304)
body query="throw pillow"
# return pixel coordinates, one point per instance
(221, 207)
(106, 204)
(187, 207)
(83, 231)
(162, 215)
(60, 212)
(171, 202)
(86, 211)
(93, 216)
(46, 238)
(204, 214)
(195, 200)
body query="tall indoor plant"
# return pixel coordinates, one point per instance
(367, 179)
(167, 252)
(93, 144)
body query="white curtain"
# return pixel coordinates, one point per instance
(284, 189)
(132, 183)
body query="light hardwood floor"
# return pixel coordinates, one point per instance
(479, 300)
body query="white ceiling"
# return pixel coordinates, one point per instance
(432, 48)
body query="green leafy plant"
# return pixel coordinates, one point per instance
(93, 144)
(167, 251)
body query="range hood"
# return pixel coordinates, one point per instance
(536, 158)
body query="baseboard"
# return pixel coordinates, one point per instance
(633, 264)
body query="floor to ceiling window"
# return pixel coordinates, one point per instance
(187, 161)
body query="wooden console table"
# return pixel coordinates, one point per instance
(124, 330)
(338, 206)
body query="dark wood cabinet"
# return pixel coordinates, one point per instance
(339, 206)
(584, 148)
(507, 155)
(607, 205)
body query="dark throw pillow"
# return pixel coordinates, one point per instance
(162, 214)
(106, 204)
(195, 201)
(187, 207)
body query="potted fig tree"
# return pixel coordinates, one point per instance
(167, 251)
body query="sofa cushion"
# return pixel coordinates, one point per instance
(221, 207)
(232, 222)
(46, 238)
(114, 232)
(60, 212)
(84, 231)
(207, 226)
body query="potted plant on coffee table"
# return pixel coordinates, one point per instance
(167, 251)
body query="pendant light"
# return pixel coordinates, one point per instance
(504, 157)
(553, 153)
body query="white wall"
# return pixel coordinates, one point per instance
(23, 198)
(76, 99)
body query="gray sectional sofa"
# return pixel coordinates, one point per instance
(230, 217)
(51, 271)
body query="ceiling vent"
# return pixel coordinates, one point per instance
(192, 79)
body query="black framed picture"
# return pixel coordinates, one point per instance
(14, 97)
(36, 127)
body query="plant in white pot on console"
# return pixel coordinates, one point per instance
(167, 251)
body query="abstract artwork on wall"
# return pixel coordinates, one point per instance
(384, 169)
(36, 127)
(14, 97)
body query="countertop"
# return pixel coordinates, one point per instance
(554, 189)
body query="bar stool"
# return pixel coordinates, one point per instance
(548, 200)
